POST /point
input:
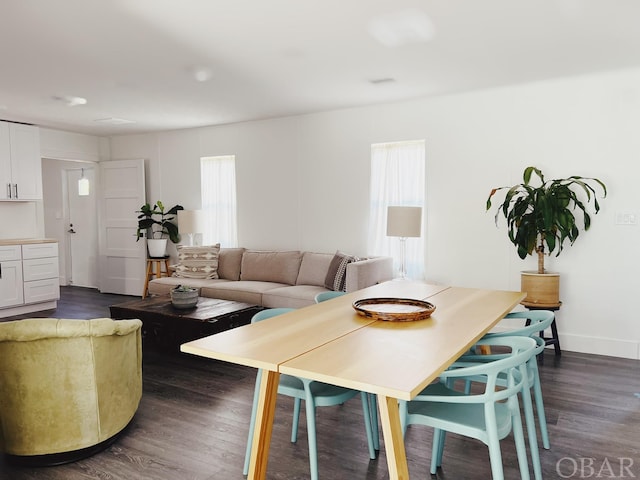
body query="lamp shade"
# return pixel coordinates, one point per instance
(191, 221)
(404, 221)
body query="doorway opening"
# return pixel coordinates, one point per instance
(72, 219)
(82, 231)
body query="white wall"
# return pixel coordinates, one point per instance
(61, 145)
(303, 183)
(21, 220)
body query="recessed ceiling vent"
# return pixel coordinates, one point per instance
(113, 121)
(382, 81)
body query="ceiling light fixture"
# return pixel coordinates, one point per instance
(83, 185)
(75, 101)
(71, 101)
(201, 74)
(401, 28)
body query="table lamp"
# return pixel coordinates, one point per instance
(404, 222)
(191, 222)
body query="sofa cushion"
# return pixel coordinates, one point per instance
(314, 268)
(197, 262)
(164, 285)
(336, 275)
(296, 296)
(267, 266)
(247, 291)
(229, 263)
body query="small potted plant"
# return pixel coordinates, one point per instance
(157, 224)
(184, 297)
(540, 219)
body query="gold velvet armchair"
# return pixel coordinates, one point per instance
(67, 387)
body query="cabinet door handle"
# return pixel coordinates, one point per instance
(8, 190)
(15, 190)
(0, 271)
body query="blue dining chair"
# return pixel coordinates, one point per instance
(315, 394)
(539, 321)
(324, 296)
(489, 415)
(373, 399)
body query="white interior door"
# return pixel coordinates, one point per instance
(122, 259)
(82, 229)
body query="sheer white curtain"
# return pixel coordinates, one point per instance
(397, 178)
(218, 182)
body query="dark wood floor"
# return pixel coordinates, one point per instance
(192, 423)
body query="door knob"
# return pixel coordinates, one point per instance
(71, 230)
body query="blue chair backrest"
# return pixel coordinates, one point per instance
(540, 319)
(323, 296)
(505, 364)
(270, 312)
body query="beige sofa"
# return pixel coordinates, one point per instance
(281, 278)
(67, 387)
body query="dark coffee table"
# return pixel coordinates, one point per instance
(168, 327)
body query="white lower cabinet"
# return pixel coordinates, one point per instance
(41, 291)
(28, 278)
(11, 291)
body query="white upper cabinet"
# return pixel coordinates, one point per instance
(20, 163)
(5, 162)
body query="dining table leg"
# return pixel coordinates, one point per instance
(264, 425)
(393, 438)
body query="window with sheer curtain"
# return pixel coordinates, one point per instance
(218, 187)
(397, 178)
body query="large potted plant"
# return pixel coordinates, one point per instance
(540, 219)
(157, 224)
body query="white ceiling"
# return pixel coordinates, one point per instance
(137, 59)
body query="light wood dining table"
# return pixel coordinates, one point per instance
(330, 342)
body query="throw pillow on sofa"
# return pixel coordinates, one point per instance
(271, 266)
(337, 275)
(314, 268)
(197, 262)
(229, 263)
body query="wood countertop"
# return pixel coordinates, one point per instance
(26, 241)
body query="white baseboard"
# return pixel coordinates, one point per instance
(30, 308)
(611, 347)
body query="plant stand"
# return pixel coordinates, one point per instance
(554, 339)
(154, 269)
